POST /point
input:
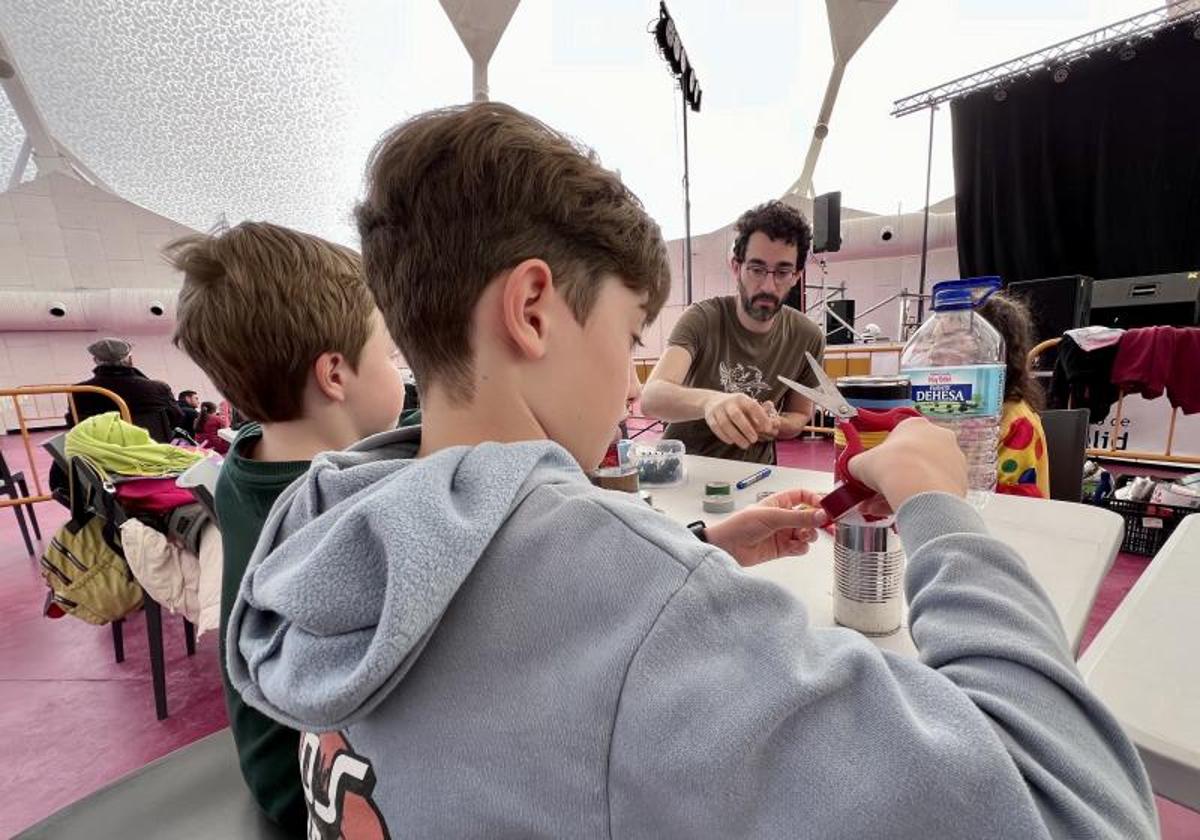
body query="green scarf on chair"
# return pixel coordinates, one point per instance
(114, 446)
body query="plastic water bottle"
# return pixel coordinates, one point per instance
(956, 364)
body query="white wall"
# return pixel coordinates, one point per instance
(63, 240)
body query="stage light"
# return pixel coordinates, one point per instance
(1127, 53)
(670, 46)
(1061, 73)
(1000, 94)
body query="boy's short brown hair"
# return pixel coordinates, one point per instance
(259, 304)
(457, 196)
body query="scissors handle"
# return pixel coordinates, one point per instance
(851, 492)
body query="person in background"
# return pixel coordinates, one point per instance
(717, 384)
(151, 403)
(320, 378)
(1022, 462)
(208, 427)
(477, 642)
(189, 404)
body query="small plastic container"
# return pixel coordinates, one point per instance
(659, 464)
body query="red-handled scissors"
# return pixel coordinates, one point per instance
(850, 421)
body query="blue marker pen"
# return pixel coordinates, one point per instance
(753, 479)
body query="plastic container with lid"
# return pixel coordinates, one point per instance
(659, 464)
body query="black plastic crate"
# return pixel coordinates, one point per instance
(1147, 525)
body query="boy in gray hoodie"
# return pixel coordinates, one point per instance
(478, 643)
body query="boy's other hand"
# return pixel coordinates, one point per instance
(917, 457)
(737, 419)
(781, 525)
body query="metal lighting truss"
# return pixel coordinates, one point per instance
(1121, 36)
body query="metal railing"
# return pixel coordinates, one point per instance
(905, 324)
(15, 394)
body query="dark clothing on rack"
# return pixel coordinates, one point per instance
(1084, 380)
(1156, 359)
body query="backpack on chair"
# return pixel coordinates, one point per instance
(83, 565)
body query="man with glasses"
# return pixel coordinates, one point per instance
(717, 383)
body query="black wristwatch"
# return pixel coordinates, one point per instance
(698, 530)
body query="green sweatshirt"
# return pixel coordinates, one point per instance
(267, 751)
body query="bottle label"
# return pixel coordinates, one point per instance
(949, 392)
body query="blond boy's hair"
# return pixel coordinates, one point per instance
(260, 303)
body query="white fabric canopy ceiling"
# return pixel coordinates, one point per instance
(202, 109)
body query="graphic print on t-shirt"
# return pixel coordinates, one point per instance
(742, 378)
(338, 784)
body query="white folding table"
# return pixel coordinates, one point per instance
(1068, 547)
(1144, 665)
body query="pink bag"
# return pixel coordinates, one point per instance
(152, 495)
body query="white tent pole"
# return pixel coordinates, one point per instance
(479, 80)
(37, 132)
(803, 185)
(21, 162)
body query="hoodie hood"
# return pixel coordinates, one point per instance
(357, 563)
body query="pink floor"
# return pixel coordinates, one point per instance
(78, 720)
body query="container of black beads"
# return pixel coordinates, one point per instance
(659, 464)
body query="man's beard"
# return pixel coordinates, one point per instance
(761, 307)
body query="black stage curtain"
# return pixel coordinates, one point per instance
(1098, 175)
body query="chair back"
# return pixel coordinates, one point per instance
(1066, 441)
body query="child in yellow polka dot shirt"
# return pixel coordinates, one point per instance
(1023, 469)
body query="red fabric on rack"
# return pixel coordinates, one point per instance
(1155, 360)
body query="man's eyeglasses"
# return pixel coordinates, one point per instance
(782, 274)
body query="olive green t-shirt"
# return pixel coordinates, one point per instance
(728, 357)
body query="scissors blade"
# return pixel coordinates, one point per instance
(826, 383)
(833, 403)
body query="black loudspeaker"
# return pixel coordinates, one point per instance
(795, 296)
(827, 223)
(1160, 300)
(835, 331)
(1057, 304)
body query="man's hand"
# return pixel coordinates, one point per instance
(917, 457)
(782, 525)
(738, 419)
(774, 422)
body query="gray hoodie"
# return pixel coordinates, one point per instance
(481, 644)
